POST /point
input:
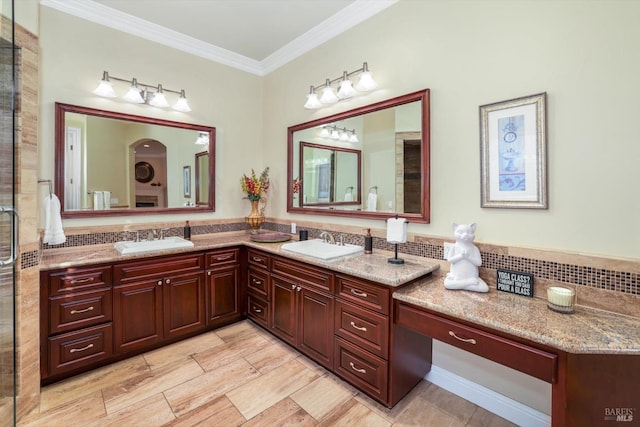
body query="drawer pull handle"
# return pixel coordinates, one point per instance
(224, 258)
(75, 350)
(360, 328)
(469, 340)
(78, 281)
(84, 310)
(358, 293)
(362, 371)
(257, 259)
(256, 309)
(256, 281)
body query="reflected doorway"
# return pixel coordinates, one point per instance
(149, 169)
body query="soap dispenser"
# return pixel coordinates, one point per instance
(368, 242)
(187, 231)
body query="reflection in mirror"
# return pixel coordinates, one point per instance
(202, 178)
(391, 139)
(110, 163)
(330, 175)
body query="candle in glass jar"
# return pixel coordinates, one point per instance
(563, 297)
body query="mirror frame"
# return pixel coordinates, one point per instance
(59, 141)
(424, 216)
(358, 154)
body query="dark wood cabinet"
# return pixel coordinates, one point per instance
(223, 287)
(138, 314)
(92, 315)
(157, 300)
(258, 295)
(302, 308)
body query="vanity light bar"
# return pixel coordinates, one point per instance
(345, 90)
(343, 134)
(144, 95)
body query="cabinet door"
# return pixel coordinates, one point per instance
(137, 315)
(183, 304)
(222, 295)
(316, 326)
(284, 322)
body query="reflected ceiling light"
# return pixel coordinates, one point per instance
(339, 134)
(149, 94)
(346, 89)
(203, 138)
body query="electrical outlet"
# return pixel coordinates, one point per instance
(448, 247)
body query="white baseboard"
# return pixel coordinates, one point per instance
(496, 403)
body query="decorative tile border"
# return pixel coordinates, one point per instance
(597, 278)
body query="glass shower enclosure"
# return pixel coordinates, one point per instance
(8, 215)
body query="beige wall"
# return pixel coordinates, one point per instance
(74, 53)
(470, 53)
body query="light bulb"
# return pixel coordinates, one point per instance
(328, 94)
(182, 104)
(133, 95)
(366, 82)
(159, 99)
(105, 88)
(312, 100)
(346, 89)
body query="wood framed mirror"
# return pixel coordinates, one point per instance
(393, 138)
(114, 164)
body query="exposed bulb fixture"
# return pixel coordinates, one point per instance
(328, 94)
(141, 93)
(345, 90)
(105, 87)
(182, 104)
(134, 94)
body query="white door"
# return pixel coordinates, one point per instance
(72, 168)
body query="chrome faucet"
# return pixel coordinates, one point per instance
(152, 235)
(327, 237)
(162, 233)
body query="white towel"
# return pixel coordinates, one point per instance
(98, 200)
(106, 204)
(348, 197)
(396, 230)
(53, 232)
(372, 201)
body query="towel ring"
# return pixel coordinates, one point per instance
(375, 187)
(40, 181)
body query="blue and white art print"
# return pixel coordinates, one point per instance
(511, 149)
(513, 153)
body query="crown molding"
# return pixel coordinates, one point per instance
(350, 16)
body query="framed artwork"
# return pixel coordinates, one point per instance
(513, 153)
(186, 181)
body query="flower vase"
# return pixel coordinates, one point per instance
(256, 217)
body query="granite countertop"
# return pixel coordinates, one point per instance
(372, 266)
(584, 331)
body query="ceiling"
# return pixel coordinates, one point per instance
(257, 36)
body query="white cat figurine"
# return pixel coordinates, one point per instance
(465, 260)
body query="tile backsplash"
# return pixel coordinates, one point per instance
(585, 273)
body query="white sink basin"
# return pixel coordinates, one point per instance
(152, 245)
(317, 248)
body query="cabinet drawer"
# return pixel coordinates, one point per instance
(75, 349)
(314, 277)
(258, 310)
(257, 258)
(258, 282)
(222, 257)
(364, 293)
(365, 328)
(155, 267)
(78, 311)
(62, 282)
(521, 357)
(364, 370)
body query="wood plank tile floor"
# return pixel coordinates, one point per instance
(239, 375)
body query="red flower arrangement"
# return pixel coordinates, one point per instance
(254, 186)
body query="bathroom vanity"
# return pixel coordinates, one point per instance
(367, 321)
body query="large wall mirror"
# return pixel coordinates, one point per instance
(371, 162)
(109, 163)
